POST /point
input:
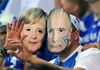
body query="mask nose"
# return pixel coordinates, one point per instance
(33, 35)
(55, 37)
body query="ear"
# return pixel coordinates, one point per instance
(76, 34)
(69, 34)
(75, 8)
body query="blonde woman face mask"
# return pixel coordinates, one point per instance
(35, 33)
(34, 28)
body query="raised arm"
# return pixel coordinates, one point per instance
(12, 33)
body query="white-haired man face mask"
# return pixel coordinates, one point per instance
(60, 33)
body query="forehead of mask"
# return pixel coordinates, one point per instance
(59, 31)
(59, 19)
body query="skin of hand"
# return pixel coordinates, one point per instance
(91, 45)
(97, 44)
(15, 40)
(13, 33)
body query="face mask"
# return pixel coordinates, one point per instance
(59, 30)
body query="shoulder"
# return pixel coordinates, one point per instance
(88, 59)
(89, 52)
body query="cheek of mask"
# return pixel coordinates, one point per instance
(65, 40)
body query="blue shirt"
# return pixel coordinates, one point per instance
(12, 61)
(68, 62)
(90, 29)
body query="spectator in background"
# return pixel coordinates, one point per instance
(2, 34)
(77, 8)
(4, 18)
(90, 28)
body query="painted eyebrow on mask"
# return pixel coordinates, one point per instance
(62, 29)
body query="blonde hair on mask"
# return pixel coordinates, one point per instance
(32, 15)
